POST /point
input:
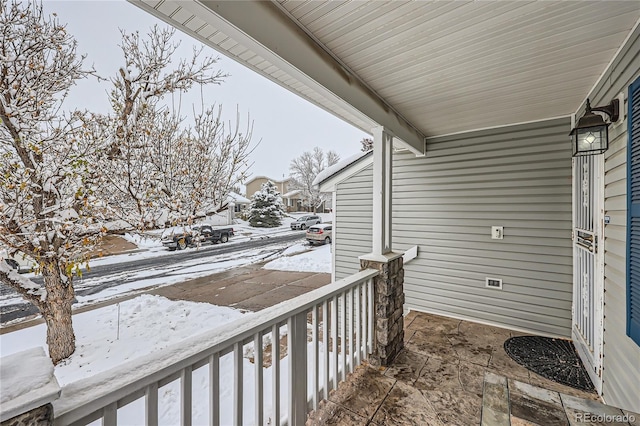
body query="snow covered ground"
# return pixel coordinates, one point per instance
(244, 230)
(110, 337)
(149, 246)
(315, 260)
(136, 281)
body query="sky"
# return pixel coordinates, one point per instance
(285, 124)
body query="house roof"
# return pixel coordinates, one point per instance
(419, 69)
(291, 194)
(237, 198)
(339, 166)
(267, 178)
(329, 177)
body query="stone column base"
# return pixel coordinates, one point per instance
(388, 307)
(41, 416)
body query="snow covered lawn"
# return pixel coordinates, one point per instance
(315, 260)
(111, 335)
(152, 327)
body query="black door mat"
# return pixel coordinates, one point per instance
(554, 359)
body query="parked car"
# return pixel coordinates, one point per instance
(306, 221)
(181, 238)
(319, 234)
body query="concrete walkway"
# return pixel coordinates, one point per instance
(249, 288)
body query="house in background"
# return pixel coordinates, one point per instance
(240, 203)
(291, 199)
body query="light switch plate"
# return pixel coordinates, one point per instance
(497, 232)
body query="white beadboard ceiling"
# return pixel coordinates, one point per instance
(432, 67)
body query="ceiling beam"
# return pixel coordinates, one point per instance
(264, 29)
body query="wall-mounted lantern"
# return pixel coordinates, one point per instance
(591, 134)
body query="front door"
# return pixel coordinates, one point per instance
(588, 263)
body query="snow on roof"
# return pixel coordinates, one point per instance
(332, 170)
(291, 193)
(237, 198)
(283, 180)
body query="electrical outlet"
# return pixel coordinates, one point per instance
(497, 232)
(493, 283)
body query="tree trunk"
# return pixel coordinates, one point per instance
(57, 313)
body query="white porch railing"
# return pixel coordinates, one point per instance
(328, 332)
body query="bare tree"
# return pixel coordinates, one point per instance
(156, 168)
(304, 170)
(47, 208)
(200, 165)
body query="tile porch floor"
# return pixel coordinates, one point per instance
(437, 379)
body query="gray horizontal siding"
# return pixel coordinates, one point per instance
(621, 362)
(518, 177)
(353, 218)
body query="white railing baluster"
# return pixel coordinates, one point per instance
(352, 324)
(238, 382)
(315, 368)
(334, 336)
(257, 350)
(358, 323)
(297, 353)
(110, 415)
(291, 326)
(185, 397)
(151, 405)
(214, 389)
(365, 319)
(343, 331)
(275, 369)
(347, 321)
(325, 346)
(371, 325)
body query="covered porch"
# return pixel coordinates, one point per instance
(472, 178)
(446, 89)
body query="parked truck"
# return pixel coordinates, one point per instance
(189, 236)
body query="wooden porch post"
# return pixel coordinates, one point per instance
(382, 174)
(389, 284)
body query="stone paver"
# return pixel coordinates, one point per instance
(405, 405)
(407, 366)
(330, 413)
(536, 406)
(363, 392)
(495, 401)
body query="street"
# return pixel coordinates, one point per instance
(168, 267)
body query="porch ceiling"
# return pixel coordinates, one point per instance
(423, 68)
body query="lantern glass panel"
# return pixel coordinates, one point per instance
(591, 140)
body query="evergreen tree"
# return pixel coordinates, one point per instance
(266, 208)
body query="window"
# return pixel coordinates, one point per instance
(633, 214)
